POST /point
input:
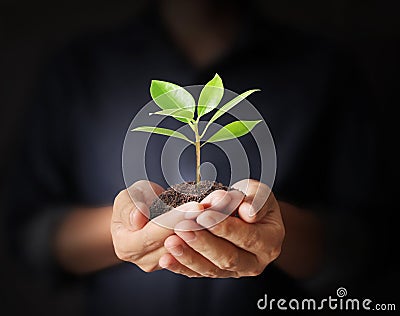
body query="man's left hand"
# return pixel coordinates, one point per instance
(219, 246)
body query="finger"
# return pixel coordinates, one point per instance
(217, 200)
(149, 190)
(243, 235)
(169, 219)
(223, 201)
(131, 206)
(259, 200)
(236, 199)
(168, 262)
(139, 216)
(193, 260)
(219, 251)
(129, 215)
(153, 234)
(149, 261)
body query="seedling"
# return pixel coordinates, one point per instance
(178, 103)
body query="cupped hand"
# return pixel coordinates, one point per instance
(228, 246)
(135, 238)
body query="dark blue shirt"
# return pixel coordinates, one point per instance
(311, 99)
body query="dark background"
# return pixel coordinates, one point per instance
(31, 31)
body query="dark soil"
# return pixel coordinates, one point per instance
(182, 193)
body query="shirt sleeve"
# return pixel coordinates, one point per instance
(38, 192)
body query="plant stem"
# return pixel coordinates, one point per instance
(197, 144)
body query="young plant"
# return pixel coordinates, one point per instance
(178, 103)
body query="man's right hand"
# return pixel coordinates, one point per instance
(138, 240)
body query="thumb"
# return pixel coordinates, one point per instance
(258, 202)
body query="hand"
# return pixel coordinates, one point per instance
(135, 238)
(230, 246)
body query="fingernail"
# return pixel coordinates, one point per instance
(187, 236)
(206, 220)
(163, 264)
(191, 210)
(206, 205)
(176, 251)
(252, 211)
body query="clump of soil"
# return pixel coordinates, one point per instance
(182, 193)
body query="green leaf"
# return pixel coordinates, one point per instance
(233, 130)
(161, 131)
(177, 114)
(229, 105)
(210, 96)
(171, 96)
